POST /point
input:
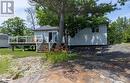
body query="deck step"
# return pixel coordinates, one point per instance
(45, 47)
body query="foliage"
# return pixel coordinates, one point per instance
(56, 57)
(118, 31)
(79, 17)
(15, 27)
(28, 32)
(122, 2)
(46, 17)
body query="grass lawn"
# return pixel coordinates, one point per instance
(18, 53)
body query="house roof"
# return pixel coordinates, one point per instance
(46, 28)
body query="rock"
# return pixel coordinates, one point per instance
(127, 71)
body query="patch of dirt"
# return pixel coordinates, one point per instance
(75, 75)
(28, 66)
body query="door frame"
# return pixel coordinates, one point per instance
(52, 35)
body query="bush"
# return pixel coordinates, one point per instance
(56, 57)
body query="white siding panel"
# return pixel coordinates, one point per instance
(87, 37)
(4, 43)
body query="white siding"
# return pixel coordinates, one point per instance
(87, 37)
(4, 41)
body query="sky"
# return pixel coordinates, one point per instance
(21, 5)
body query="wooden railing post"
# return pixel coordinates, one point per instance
(12, 47)
(26, 39)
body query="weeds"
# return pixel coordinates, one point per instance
(57, 57)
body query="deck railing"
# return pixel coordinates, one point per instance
(26, 39)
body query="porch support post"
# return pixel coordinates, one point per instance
(36, 47)
(49, 46)
(12, 47)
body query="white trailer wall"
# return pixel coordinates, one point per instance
(87, 37)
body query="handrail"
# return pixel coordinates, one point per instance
(26, 39)
(51, 43)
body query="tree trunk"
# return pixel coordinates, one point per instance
(61, 27)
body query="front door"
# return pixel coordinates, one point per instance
(50, 36)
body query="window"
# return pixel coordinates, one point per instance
(95, 30)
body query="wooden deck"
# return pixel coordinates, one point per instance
(31, 41)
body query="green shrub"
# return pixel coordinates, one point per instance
(56, 57)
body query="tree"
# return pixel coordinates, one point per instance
(59, 7)
(122, 2)
(14, 26)
(46, 17)
(0, 29)
(28, 32)
(31, 17)
(118, 31)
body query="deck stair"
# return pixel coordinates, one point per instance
(44, 47)
(47, 45)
